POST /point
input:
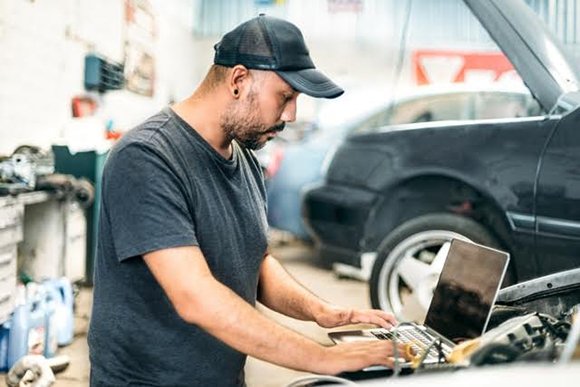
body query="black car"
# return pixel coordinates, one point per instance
(394, 196)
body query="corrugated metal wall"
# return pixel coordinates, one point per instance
(214, 17)
(561, 16)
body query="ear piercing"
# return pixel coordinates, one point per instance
(236, 92)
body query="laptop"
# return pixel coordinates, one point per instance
(460, 308)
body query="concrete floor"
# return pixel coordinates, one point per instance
(300, 262)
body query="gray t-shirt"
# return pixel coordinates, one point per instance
(165, 186)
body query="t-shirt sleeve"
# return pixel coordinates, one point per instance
(145, 203)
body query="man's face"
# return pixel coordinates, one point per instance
(258, 116)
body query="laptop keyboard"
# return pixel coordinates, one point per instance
(418, 339)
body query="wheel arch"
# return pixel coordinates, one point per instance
(423, 194)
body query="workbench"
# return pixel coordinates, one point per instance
(42, 236)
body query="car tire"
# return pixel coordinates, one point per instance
(417, 241)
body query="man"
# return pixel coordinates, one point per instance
(182, 254)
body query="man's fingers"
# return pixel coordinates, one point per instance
(384, 353)
(390, 320)
(384, 315)
(375, 317)
(359, 355)
(387, 350)
(389, 317)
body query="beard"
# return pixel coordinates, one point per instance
(242, 123)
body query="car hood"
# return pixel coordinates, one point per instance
(545, 67)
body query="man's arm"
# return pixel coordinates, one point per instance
(279, 291)
(202, 300)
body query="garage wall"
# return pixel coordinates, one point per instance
(34, 71)
(42, 49)
(43, 44)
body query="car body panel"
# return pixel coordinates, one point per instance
(425, 169)
(557, 220)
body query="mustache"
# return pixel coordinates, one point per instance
(277, 128)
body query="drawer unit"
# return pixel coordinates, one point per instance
(11, 233)
(8, 256)
(8, 280)
(11, 224)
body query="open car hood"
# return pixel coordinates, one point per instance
(536, 54)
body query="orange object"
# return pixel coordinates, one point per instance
(447, 66)
(83, 106)
(112, 135)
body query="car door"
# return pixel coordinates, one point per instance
(558, 199)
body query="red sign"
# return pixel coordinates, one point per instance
(441, 66)
(354, 6)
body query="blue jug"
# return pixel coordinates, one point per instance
(60, 291)
(27, 328)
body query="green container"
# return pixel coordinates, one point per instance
(89, 165)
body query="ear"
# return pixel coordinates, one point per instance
(239, 79)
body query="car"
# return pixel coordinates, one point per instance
(292, 166)
(393, 196)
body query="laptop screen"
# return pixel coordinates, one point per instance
(466, 291)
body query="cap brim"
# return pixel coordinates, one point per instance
(311, 82)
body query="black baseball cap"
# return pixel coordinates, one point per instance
(269, 43)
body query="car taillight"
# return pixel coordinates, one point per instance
(275, 162)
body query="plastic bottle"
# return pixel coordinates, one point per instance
(51, 321)
(28, 325)
(4, 337)
(60, 290)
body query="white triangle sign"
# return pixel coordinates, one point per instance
(441, 68)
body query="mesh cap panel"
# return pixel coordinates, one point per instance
(255, 42)
(248, 44)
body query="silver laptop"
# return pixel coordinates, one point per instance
(461, 306)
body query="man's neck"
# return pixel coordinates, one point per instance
(203, 115)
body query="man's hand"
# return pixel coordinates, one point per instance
(356, 356)
(332, 316)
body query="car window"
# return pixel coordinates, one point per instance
(433, 108)
(507, 105)
(446, 106)
(376, 120)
